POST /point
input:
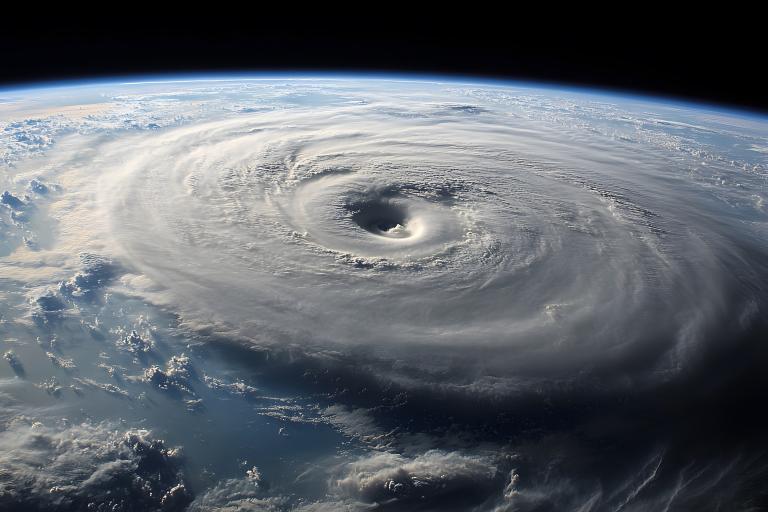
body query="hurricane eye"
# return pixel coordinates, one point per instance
(380, 216)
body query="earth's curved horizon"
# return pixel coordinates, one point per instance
(380, 292)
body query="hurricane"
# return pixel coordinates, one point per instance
(449, 227)
(495, 292)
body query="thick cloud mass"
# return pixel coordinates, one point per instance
(426, 228)
(502, 298)
(86, 467)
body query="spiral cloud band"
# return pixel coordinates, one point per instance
(428, 226)
(479, 281)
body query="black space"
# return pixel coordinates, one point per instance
(717, 61)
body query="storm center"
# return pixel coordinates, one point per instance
(381, 217)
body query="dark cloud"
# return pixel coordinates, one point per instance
(38, 187)
(11, 201)
(431, 481)
(87, 467)
(96, 272)
(15, 363)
